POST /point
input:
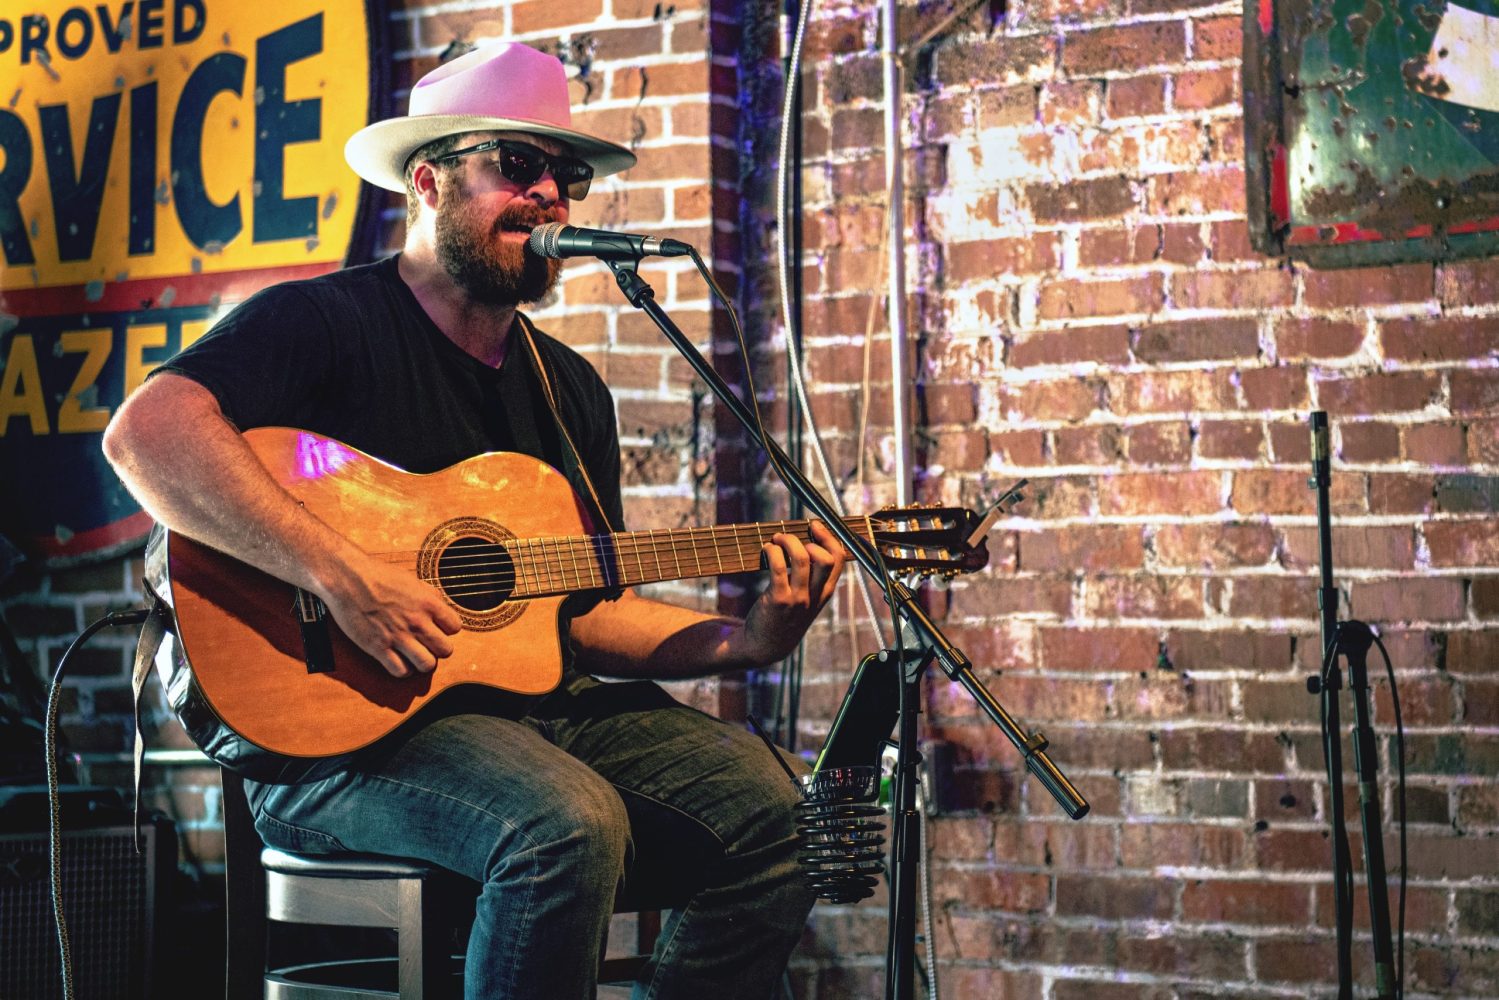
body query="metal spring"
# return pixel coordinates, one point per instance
(842, 852)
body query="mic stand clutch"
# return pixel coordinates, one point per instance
(929, 642)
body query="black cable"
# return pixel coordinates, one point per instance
(1342, 861)
(54, 812)
(1400, 817)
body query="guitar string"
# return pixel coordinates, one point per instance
(584, 548)
(553, 580)
(501, 579)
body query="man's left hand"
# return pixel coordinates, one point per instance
(803, 576)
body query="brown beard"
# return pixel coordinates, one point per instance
(491, 270)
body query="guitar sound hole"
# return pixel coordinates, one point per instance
(475, 573)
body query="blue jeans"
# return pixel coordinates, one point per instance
(616, 786)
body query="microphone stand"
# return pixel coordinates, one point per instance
(928, 642)
(1350, 640)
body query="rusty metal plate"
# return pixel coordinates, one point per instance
(1372, 129)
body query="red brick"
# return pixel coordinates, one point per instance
(1245, 902)
(1353, 546)
(990, 889)
(1472, 651)
(1072, 103)
(1061, 497)
(1105, 345)
(1464, 283)
(1069, 298)
(1114, 898)
(1162, 442)
(1196, 192)
(1093, 198)
(1434, 444)
(1440, 338)
(1089, 444)
(1171, 391)
(1297, 960)
(1368, 441)
(1229, 241)
(1263, 289)
(1290, 444)
(1483, 442)
(1280, 388)
(1099, 650)
(1051, 399)
(1231, 439)
(1196, 340)
(1126, 597)
(1082, 549)
(1217, 38)
(1475, 392)
(1314, 338)
(1273, 597)
(1126, 47)
(1214, 748)
(1368, 286)
(1133, 96)
(1400, 493)
(1179, 493)
(980, 596)
(1386, 392)
(1214, 546)
(1211, 88)
(1486, 596)
(1271, 491)
(1000, 59)
(1179, 845)
(1022, 448)
(984, 259)
(1006, 107)
(1282, 702)
(1462, 543)
(1166, 696)
(1418, 599)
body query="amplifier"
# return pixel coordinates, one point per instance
(113, 899)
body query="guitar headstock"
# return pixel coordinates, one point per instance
(935, 540)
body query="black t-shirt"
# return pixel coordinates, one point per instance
(353, 356)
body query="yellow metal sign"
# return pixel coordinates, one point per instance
(159, 160)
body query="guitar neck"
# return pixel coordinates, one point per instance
(550, 566)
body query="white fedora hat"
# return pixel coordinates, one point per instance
(504, 87)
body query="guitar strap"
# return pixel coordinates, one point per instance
(152, 632)
(573, 465)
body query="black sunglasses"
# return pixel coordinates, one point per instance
(522, 163)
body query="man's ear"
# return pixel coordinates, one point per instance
(424, 182)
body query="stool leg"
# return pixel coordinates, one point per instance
(411, 942)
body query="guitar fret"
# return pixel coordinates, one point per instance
(692, 537)
(717, 559)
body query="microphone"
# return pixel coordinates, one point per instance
(557, 241)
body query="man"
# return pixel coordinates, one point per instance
(422, 360)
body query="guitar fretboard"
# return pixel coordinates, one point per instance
(543, 567)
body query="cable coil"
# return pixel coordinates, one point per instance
(842, 831)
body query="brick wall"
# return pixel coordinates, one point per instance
(1088, 314)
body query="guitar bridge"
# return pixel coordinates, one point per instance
(312, 619)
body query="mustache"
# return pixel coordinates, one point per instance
(522, 216)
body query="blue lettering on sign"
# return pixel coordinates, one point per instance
(63, 376)
(143, 169)
(77, 189)
(16, 143)
(77, 195)
(76, 28)
(278, 123)
(203, 221)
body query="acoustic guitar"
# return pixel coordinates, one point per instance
(505, 539)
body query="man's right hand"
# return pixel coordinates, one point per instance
(394, 616)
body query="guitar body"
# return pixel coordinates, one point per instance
(242, 631)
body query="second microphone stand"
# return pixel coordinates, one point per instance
(928, 645)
